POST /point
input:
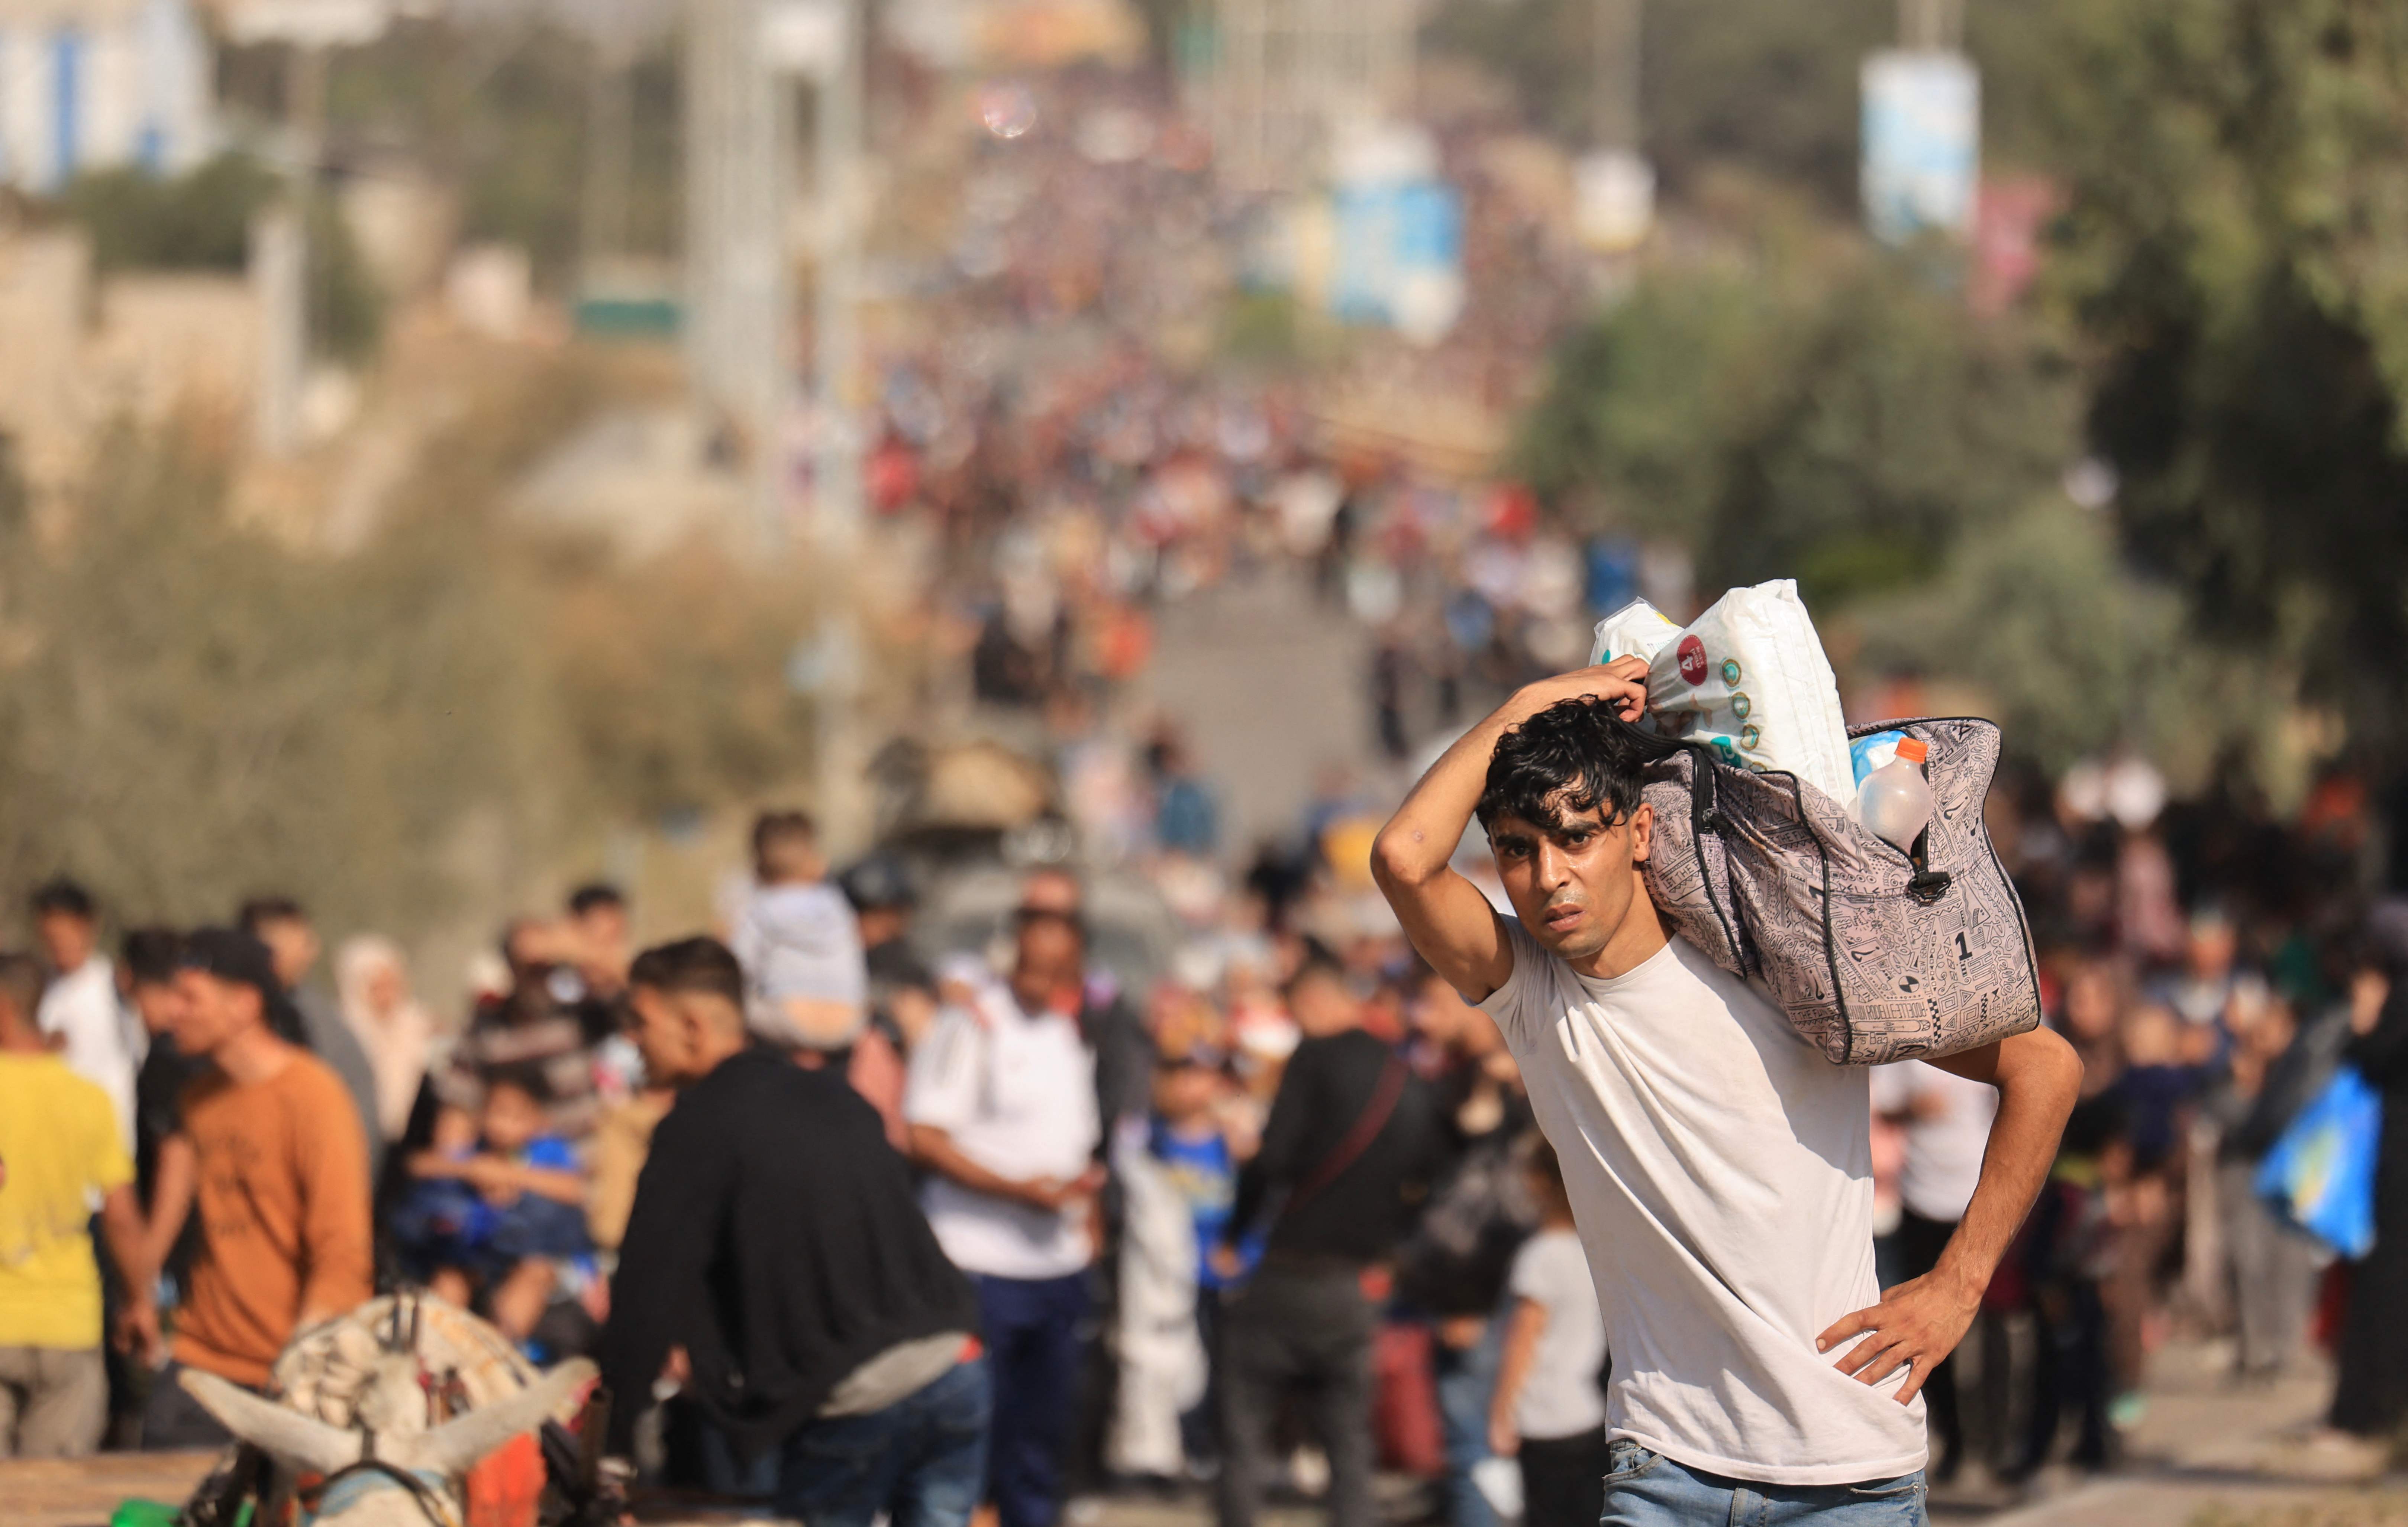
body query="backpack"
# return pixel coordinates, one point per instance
(1875, 954)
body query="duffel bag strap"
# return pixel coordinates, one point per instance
(1705, 799)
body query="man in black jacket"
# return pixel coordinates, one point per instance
(776, 1243)
(1346, 1157)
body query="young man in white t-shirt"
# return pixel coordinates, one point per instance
(1719, 1168)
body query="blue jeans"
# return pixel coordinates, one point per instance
(1032, 1340)
(1466, 1381)
(920, 1461)
(1645, 1488)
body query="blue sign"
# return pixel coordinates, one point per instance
(1922, 144)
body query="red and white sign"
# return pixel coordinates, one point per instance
(1692, 660)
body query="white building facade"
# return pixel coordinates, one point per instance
(101, 84)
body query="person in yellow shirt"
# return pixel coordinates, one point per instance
(60, 1150)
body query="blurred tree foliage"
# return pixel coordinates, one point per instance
(193, 713)
(190, 711)
(1840, 425)
(2037, 608)
(1844, 423)
(499, 110)
(2224, 318)
(673, 683)
(201, 221)
(346, 305)
(1770, 84)
(2235, 251)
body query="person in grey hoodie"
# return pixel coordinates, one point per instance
(807, 984)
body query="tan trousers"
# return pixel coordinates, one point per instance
(53, 1401)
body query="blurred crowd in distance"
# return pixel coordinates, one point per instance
(1069, 472)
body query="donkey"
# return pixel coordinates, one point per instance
(388, 1468)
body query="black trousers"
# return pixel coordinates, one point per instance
(1920, 1241)
(1563, 1480)
(173, 1420)
(1306, 1329)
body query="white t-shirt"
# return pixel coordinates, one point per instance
(1560, 1397)
(102, 1045)
(1017, 1095)
(1947, 1129)
(1721, 1173)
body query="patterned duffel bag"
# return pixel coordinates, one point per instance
(1876, 954)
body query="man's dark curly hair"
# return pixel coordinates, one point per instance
(1574, 756)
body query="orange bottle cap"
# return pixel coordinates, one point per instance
(1913, 749)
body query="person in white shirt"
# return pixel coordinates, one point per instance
(1549, 1409)
(1001, 1105)
(1718, 1167)
(80, 1008)
(1946, 1118)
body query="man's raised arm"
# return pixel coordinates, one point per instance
(1444, 914)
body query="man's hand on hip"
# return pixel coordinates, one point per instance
(2037, 1076)
(1917, 1324)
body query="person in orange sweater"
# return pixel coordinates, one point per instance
(283, 1185)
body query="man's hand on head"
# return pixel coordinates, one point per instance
(1916, 1325)
(1621, 683)
(1448, 918)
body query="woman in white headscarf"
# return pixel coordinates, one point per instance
(391, 1026)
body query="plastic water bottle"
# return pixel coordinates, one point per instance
(1894, 801)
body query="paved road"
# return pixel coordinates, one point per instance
(1271, 687)
(2205, 1455)
(2209, 1454)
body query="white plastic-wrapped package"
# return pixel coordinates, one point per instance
(1747, 678)
(1637, 630)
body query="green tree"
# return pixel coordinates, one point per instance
(1768, 87)
(2235, 250)
(192, 713)
(2076, 653)
(199, 221)
(1841, 427)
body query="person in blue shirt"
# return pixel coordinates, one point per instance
(1190, 1136)
(497, 1218)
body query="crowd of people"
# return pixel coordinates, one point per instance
(1284, 1217)
(1058, 434)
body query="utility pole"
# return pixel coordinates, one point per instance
(1615, 201)
(743, 60)
(837, 474)
(840, 135)
(1291, 71)
(602, 234)
(279, 253)
(309, 31)
(1614, 37)
(1928, 26)
(739, 300)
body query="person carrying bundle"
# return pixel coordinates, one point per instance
(1718, 1165)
